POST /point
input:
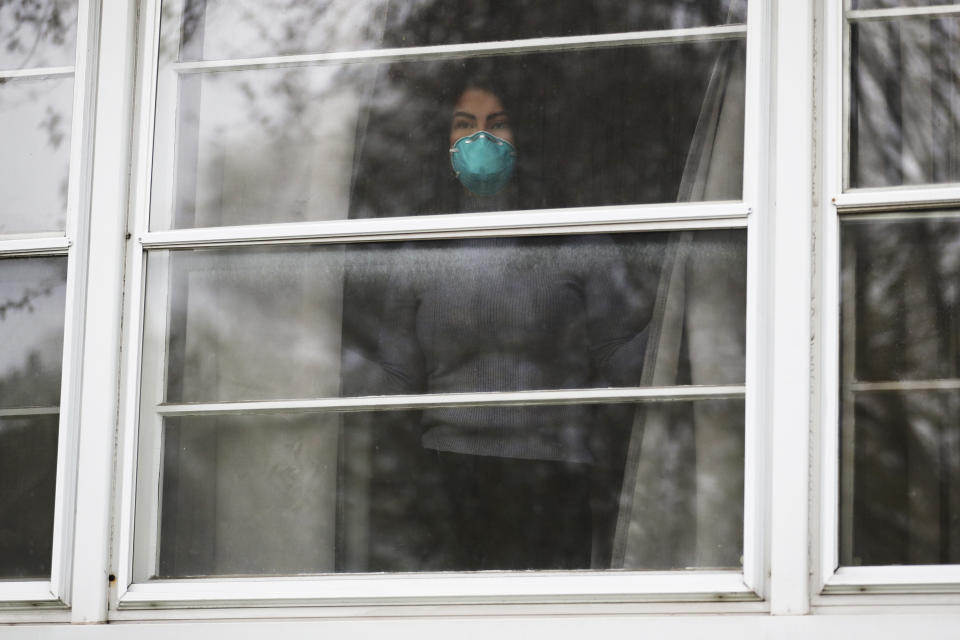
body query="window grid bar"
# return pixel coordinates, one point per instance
(532, 45)
(38, 72)
(479, 399)
(540, 222)
(29, 411)
(923, 197)
(947, 384)
(876, 15)
(52, 246)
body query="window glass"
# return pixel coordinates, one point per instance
(905, 102)
(35, 122)
(901, 391)
(31, 323)
(261, 451)
(583, 128)
(265, 494)
(37, 33)
(222, 29)
(435, 317)
(890, 4)
(428, 317)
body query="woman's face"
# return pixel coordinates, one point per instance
(479, 110)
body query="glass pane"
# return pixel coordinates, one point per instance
(450, 316)
(268, 494)
(221, 29)
(900, 502)
(31, 339)
(34, 167)
(643, 124)
(905, 102)
(37, 33)
(889, 4)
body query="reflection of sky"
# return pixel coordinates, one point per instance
(271, 145)
(31, 315)
(250, 28)
(258, 324)
(223, 29)
(37, 33)
(35, 135)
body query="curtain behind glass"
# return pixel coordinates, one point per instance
(682, 465)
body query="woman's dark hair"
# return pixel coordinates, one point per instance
(483, 83)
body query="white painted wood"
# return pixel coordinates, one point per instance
(144, 511)
(445, 588)
(39, 72)
(908, 385)
(895, 13)
(792, 266)
(756, 178)
(101, 337)
(514, 398)
(890, 198)
(665, 217)
(131, 521)
(157, 126)
(555, 623)
(78, 214)
(895, 579)
(52, 245)
(20, 594)
(29, 411)
(531, 45)
(832, 157)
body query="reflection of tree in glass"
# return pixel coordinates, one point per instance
(904, 116)
(901, 289)
(29, 28)
(35, 125)
(211, 29)
(35, 382)
(31, 293)
(26, 300)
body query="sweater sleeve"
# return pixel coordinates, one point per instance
(398, 350)
(615, 308)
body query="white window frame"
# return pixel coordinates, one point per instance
(701, 589)
(873, 584)
(54, 594)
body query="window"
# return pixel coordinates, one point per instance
(894, 231)
(41, 288)
(356, 345)
(597, 318)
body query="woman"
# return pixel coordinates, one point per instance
(507, 314)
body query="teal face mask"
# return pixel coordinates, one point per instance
(483, 162)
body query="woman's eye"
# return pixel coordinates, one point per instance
(461, 124)
(502, 124)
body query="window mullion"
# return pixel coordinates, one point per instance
(101, 332)
(789, 350)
